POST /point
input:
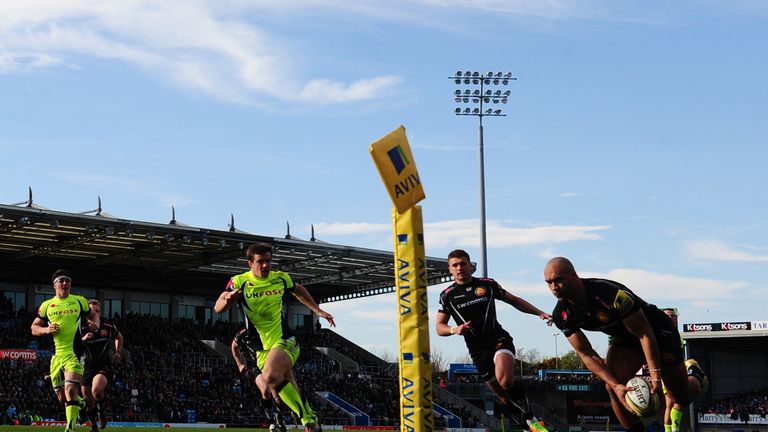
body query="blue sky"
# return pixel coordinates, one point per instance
(634, 142)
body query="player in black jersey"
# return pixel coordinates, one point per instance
(104, 344)
(248, 342)
(638, 333)
(471, 303)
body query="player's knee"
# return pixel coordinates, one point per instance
(272, 378)
(98, 394)
(506, 381)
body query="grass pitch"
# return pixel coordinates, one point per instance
(6, 428)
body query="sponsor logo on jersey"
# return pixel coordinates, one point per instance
(471, 302)
(104, 332)
(480, 291)
(52, 305)
(623, 302)
(564, 315)
(258, 294)
(64, 312)
(603, 317)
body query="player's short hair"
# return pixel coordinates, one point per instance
(94, 302)
(257, 249)
(61, 273)
(459, 253)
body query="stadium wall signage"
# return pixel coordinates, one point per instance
(724, 326)
(18, 354)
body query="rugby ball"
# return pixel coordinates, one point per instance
(640, 399)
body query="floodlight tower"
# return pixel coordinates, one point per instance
(478, 92)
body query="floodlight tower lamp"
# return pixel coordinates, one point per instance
(479, 96)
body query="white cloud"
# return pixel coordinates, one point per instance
(11, 62)
(464, 233)
(717, 251)
(203, 45)
(658, 288)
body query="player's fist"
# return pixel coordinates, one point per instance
(53, 328)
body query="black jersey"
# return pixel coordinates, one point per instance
(102, 345)
(474, 302)
(608, 303)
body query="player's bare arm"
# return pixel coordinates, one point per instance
(118, 349)
(303, 296)
(235, 348)
(637, 324)
(40, 329)
(597, 365)
(443, 329)
(523, 306)
(225, 300)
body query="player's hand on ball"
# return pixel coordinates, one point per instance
(621, 392)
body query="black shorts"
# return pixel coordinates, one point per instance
(483, 358)
(97, 367)
(668, 339)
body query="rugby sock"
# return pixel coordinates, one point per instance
(519, 400)
(266, 406)
(667, 428)
(90, 414)
(73, 410)
(290, 396)
(677, 418)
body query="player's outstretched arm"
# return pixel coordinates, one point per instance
(118, 348)
(597, 365)
(638, 325)
(235, 349)
(523, 306)
(225, 300)
(302, 295)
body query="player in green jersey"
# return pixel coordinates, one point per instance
(259, 292)
(60, 317)
(697, 385)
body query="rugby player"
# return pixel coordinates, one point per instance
(60, 317)
(259, 292)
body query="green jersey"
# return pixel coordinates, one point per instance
(262, 304)
(67, 313)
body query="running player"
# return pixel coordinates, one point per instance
(470, 302)
(251, 344)
(104, 345)
(638, 333)
(259, 292)
(60, 317)
(697, 384)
